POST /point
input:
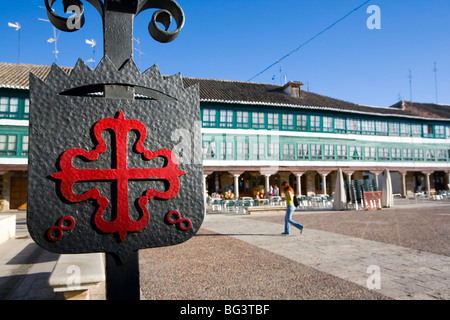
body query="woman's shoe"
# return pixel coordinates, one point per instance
(285, 233)
(301, 230)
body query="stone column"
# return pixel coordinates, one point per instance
(376, 174)
(349, 183)
(349, 178)
(403, 183)
(267, 186)
(204, 191)
(427, 183)
(236, 185)
(324, 183)
(299, 183)
(204, 184)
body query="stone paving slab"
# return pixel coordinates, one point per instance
(404, 273)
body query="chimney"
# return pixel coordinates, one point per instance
(292, 88)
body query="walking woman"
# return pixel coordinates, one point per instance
(289, 194)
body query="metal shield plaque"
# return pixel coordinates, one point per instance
(111, 174)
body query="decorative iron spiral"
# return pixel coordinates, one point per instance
(166, 11)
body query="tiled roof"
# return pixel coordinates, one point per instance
(227, 91)
(16, 76)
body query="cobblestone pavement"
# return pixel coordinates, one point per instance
(400, 253)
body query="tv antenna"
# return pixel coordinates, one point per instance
(55, 37)
(17, 26)
(92, 43)
(281, 75)
(53, 40)
(139, 50)
(435, 80)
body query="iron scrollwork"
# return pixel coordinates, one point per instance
(166, 11)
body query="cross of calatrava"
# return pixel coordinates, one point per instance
(118, 17)
(120, 173)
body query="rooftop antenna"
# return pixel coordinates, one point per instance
(55, 37)
(53, 40)
(435, 80)
(92, 43)
(281, 75)
(139, 50)
(17, 26)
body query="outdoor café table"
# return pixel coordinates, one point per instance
(263, 201)
(216, 203)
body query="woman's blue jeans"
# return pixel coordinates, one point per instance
(288, 219)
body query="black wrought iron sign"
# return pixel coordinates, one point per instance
(104, 171)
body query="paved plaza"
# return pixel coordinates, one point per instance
(397, 253)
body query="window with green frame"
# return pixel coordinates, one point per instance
(274, 150)
(370, 153)
(226, 118)
(418, 154)
(273, 121)
(287, 121)
(383, 153)
(353, 125)
(355, 153)
(316, 151)
(226, 150)
(381, 128)
(302, 151)
(289, 151)
(416, 130)
(302, 122)
(209, 149)
(396, 154)
(430, 154)
(25, 143)
(9, 107)
(26, 111)
(441, 155)
(329, 152)
(242, 119)
(439, 132)
(259, 150)
(258, 120)
(339, 125)
(8, 145)
(327, 124)
(243, 150)
(341, 152)
(428, 131)
(209, 117)
(407, 154)
(315, 123)
(405, 129)
(394, 128)
(368, 127)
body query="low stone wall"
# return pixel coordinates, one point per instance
(80, 276)
(7, 227)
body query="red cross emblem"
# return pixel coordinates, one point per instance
(69, 175)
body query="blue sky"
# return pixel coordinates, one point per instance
(238, 39)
